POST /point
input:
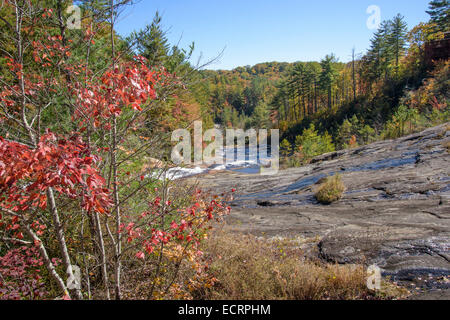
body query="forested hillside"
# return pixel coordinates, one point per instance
(394, 88)
(248, 96)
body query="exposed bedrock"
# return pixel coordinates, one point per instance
(395, 212)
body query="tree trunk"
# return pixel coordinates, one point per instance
(62, 240)
(118, 249)
(102, 254)
(354, 75)
(48, 263)
(329, 98)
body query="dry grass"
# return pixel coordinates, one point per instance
(248, 268)
(331, 190)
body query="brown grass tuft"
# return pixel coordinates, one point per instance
(331, 190)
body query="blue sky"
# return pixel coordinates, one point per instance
(254, 31)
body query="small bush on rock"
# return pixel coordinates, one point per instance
(331, 190)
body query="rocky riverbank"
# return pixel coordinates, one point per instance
(395, 213)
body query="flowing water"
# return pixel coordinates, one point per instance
(246, 160)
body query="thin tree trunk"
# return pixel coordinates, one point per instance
(26, 125)
(102, 254)
(354, 74)
(61, 240)
(48, 263)
(329, 98)
(118, 265)
(315, 95)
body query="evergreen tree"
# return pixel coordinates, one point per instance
(260, 117)
(298, 82)
(397, 39)
(367, 134)
(344, 134)
(311, 144)
(353, 74)
(439, 11)
(235, 118)
(280, 101)
(380, 53)
(309, 79)
(151, 42)
(285, 148)
(327, 76)
(227, 116)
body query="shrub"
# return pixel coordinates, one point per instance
(285, 148)
(352, 133)
(20, 275)
(169, 263)
(311, 144)
(367, 134)
(331, 190)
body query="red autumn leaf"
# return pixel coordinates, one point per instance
(140, 255)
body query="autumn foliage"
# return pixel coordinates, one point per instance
(63, 164)
(73, 192)
(21, 279)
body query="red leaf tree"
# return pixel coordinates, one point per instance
(66, 188)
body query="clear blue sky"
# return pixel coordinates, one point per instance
(254, 31)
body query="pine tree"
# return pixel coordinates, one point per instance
(397, 39)
(151, 42)
(285, 148)
(281, 100)
(260, 117)
(311, 143)
(327, 76)
(298, 82)
(439, 11)
(380, 53)
(353, 74)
